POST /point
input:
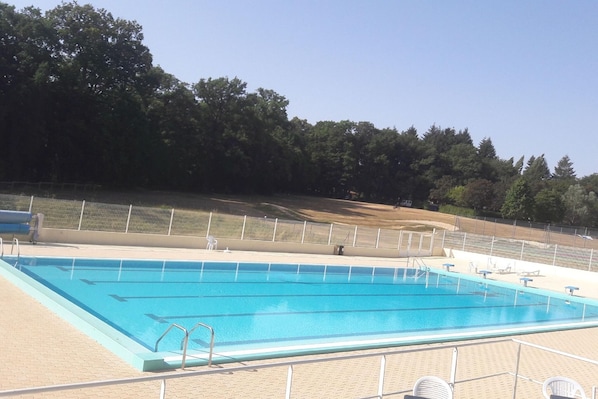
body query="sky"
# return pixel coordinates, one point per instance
(523, 73)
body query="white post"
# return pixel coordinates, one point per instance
(432, 241)
(128, 219)
(81, 216)
(330, 234)
(522, 245)
(171, 218)
(31, 204)
(274, 234)
(554, 256)
(454, 368)
(464, 238)
(355, 237)
(381, 378)
(289, 382)
(591, 256)
(303, 234)
(492, 246)
(243, 229)
(209, 224)
(378, 238)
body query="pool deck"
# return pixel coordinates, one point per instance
(38, 348)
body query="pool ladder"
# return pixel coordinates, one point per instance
(15, 242)
(185, 340)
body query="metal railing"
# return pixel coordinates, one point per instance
(462, 370)
(520, 242)
(185, 340)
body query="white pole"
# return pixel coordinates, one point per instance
(81, 216)
(289, 382)
(355, 237)
(381, 379)
(171, 218)
(330, 234)
(243, 230)
(128, 219)
(303, 234)
(274, 234)
(378, 238)
(209, 224)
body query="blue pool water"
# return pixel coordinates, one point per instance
(267, 310)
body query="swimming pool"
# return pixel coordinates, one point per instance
(265, 310)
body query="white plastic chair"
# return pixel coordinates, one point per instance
(432, 387)
(562, 387)
(212, 243)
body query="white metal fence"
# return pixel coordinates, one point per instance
(389, 374)
(532, 245)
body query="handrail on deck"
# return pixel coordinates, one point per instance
(15, 240)
(197, 325)
(183, 342)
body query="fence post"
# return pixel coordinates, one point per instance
(81, 216)
(303, 234)
(400, 240)
(454, 367)
(378, 238)
(209, 224)
(243, 229)
(330, 234)
(171, 218)
(432, 241)
(522, 245)
(355, 236)
(289, 382)
(381, 379)
(516, 373)
(128, 218)
(31, 204)
(274, 233)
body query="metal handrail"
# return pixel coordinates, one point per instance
(197, 325)
(183, 343)
(15, 240)
(298, 361)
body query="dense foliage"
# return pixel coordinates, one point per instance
(80, 101)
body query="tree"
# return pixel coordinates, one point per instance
(549, 206)
(519, 202)
(536, 173)
(576, 203)
(564, 169)
(478, 194)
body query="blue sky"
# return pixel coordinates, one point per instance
(522, 72)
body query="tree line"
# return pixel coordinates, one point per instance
(80, 101)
